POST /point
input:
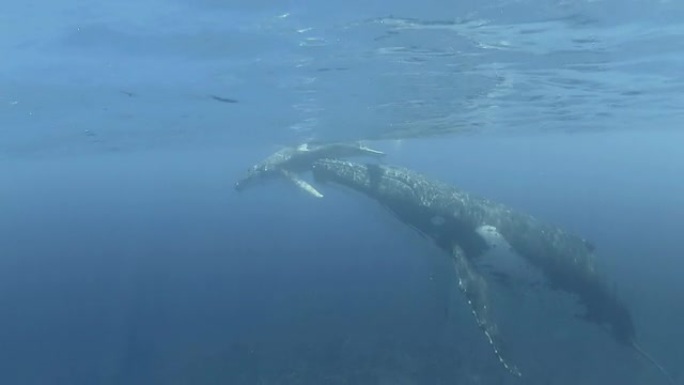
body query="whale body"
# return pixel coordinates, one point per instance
(466, 226)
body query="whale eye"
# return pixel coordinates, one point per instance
(437, 220)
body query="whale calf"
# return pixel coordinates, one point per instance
(466, 226)
(290, 161)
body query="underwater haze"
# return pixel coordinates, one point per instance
(127, 256)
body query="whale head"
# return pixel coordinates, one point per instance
(289, 162)
(255, 175)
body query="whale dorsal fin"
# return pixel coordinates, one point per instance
(301, 183)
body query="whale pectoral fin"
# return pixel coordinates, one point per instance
(302, 184)
(369, 151)
(652, 360)
(474, 287)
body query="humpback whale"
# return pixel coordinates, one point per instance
(292, 160)
(466, 226)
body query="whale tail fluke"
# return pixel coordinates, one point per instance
(652, 360)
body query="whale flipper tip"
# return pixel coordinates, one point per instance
(652, 360)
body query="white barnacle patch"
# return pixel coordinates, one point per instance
(492, 236)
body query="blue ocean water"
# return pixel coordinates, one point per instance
(128, 258)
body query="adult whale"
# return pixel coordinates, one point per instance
(465, 226)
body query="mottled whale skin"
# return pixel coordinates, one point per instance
(290, 161)
(566, 260)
